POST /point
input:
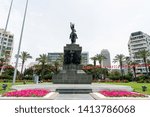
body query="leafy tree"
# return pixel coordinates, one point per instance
(56, 65)
(143, 54)
(114, 75)
(8, 72)
(120, 58)
(43, 60)
(28, 71)
(4, 60)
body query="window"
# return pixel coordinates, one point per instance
(10, 40)
(10, 36)
(8, 48)
(9, 44)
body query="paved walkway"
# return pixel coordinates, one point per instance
(94, 86)
(80, 88)
(74, 97)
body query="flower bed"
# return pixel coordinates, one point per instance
(27, 93)
(121, 94)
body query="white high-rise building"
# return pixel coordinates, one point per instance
(106, 62)
(52, 57)
(6, 45)
(138, 41)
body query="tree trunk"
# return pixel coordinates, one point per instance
(121, 70)
(94, 62)
(21, 75)
(149, 69)
(145, 65)
(42, 74)
(128, 68)
(100, 64)
(134, 71)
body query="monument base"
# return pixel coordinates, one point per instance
(73, 75)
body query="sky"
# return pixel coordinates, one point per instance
(100, 24)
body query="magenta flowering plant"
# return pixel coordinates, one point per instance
(108, 93)
(27, 93)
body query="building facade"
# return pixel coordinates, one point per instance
(106, 63)
(58, 56)
(138, 41)
(6, 45)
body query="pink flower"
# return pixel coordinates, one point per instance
(121, 94)
(27, 93)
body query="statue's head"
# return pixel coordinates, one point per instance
(72, 27)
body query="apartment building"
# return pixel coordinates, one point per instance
(6, 44)
(138, 41)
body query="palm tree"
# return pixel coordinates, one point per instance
(24, 56)
(43, 59)
(143, 54)
(94, 60)
(133, 65)
(120, 58)
(100, 58)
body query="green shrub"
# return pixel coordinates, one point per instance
(28, 77)
(47, 76)
(128, 77)
(143, 79)
(114, 77)
(6, 77)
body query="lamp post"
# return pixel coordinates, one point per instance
(3, 35)
(17, 58)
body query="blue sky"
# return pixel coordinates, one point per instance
(100, 24)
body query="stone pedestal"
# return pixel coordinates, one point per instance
(72, 72)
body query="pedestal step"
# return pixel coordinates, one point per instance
(74, 91)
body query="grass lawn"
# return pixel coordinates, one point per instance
(9, 86)
(136, 86)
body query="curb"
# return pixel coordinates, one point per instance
(51, 95)
(98, 96)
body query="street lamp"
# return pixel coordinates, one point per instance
(16, 65)
(3, 35)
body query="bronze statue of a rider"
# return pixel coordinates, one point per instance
(73, 35)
